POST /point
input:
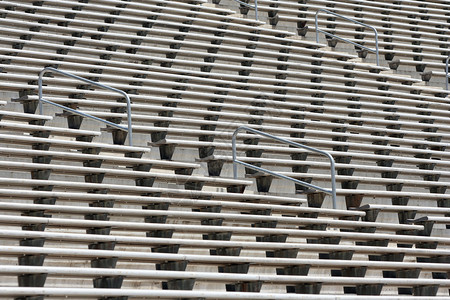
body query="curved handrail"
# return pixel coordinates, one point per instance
(255, 7)
(446, 72)
(74, 111)
(376, 51)
(331, 192)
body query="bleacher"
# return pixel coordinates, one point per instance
(91, 211)
(413, 38)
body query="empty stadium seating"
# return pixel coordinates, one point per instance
(83, 215)
(412, 34)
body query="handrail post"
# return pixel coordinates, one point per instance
(377, 49)
(41, 74)
(233, 145)
(333, 178)
(316, 21)
(41, 99)
(332, 192)
(446, 72)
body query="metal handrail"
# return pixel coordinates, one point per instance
(255, 7)
(331, 192)
(376, 50)
(74, 111)
(446, 72)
